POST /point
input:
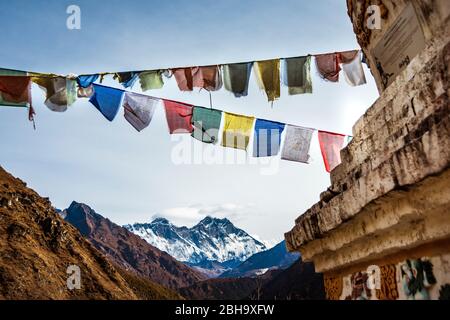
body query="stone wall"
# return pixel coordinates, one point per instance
(390, 196)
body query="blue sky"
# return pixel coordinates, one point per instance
(131, 177)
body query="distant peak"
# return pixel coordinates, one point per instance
(160, 220)
(208, 220)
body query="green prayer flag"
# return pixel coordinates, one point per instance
(297, 75)
(206, 124)
(151, 80)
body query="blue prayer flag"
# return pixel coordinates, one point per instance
(107, 100)
(86, 80)
(267, 138)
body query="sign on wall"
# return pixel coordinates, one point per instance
(398, 46)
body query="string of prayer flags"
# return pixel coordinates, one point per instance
(179, 116)
(352, 68)
(297, 75)
(107, 100)
(139, 109)
(296, 144)
(328, 66)
(151, 80)
(60, 92)
(183, 76)
(127, 79)
(207, 78)
(206, 124)
(85, 81)
(268, 77)
(237, 130)
(267, 138)
(236, 78)
(330, 147)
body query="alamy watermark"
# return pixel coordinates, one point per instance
(234, 149)
(374, 17)
(73, 21)
(74, 277)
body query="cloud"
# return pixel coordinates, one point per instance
(191, 215)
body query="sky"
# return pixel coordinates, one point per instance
(134, 177)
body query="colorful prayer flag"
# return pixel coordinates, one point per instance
(139, 109)
(179, 117)
(206, 124)
(127, 79)
(328, 66)
(297, 75)
(151, 80)
(206, 77)
(330, 146)
(267, 138)
(183, 76)
(236, 78)
(60, 92)
(353, 70)
(296, 144)
(107, 100)
(15, 88)
(85, 81)
(237, 130)
(268, 77)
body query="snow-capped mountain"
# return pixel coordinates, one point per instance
(211, 239)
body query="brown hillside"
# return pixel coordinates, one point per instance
(37, 246)
(130, 251)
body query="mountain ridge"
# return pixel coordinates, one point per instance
(211, 241)
(129, 250)
(37, 246)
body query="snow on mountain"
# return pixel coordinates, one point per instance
(211, 239)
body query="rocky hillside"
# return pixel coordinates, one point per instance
(298, 282)
(212, 239)
(259, 263)
(128, 250)
(37, 246)
(227, 289)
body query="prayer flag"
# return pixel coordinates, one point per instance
(107, 100)
(353, 70)
(267, 138)
(15, 88)
(328, 66)
(297, 143)
(60, 92)
(179, 117)
(85, 81)
(183, 76)
(330, 146)
(207, 78)
(206, 124)
(127, 79)
(237, 130)
(139, 109)
(268, 77)
(297, 75)
(236, 77)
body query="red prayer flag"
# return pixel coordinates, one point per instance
(178, 116)
(330, 146)
(15, 89)
(183, 76)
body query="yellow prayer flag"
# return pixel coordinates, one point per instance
(237, 130)
(268, 77)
